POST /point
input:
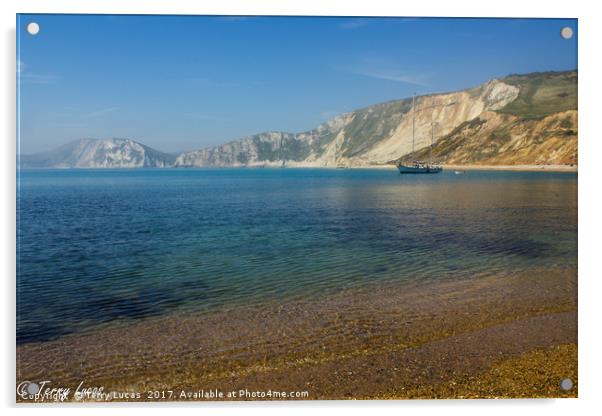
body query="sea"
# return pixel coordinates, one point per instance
(97, 247)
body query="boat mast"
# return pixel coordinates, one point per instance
(413, 123)
(432, 140)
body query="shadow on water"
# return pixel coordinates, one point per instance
(99, 308)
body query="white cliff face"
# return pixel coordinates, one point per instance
(100, 153)
(497, 95)
(271, 148)
(371, 136)
(447, 111)
(107, 153)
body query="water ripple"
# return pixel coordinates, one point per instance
(101, 246)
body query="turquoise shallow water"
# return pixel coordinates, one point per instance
(101, 246)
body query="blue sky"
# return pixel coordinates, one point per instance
(180, 83)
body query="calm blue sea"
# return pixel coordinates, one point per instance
(101, 246)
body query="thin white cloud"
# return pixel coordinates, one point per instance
(31, 78)
(24, 76)
(420, 80)
(102, 112)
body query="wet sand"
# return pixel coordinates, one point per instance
(454, 338)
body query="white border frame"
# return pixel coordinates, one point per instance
(590, 150)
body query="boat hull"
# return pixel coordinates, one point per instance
(415, 169)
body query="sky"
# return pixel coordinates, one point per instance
(179, 83)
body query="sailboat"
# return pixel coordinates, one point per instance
(419, 166)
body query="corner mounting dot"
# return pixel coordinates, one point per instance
(566, 32)
(33, 28)
(566, 384)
